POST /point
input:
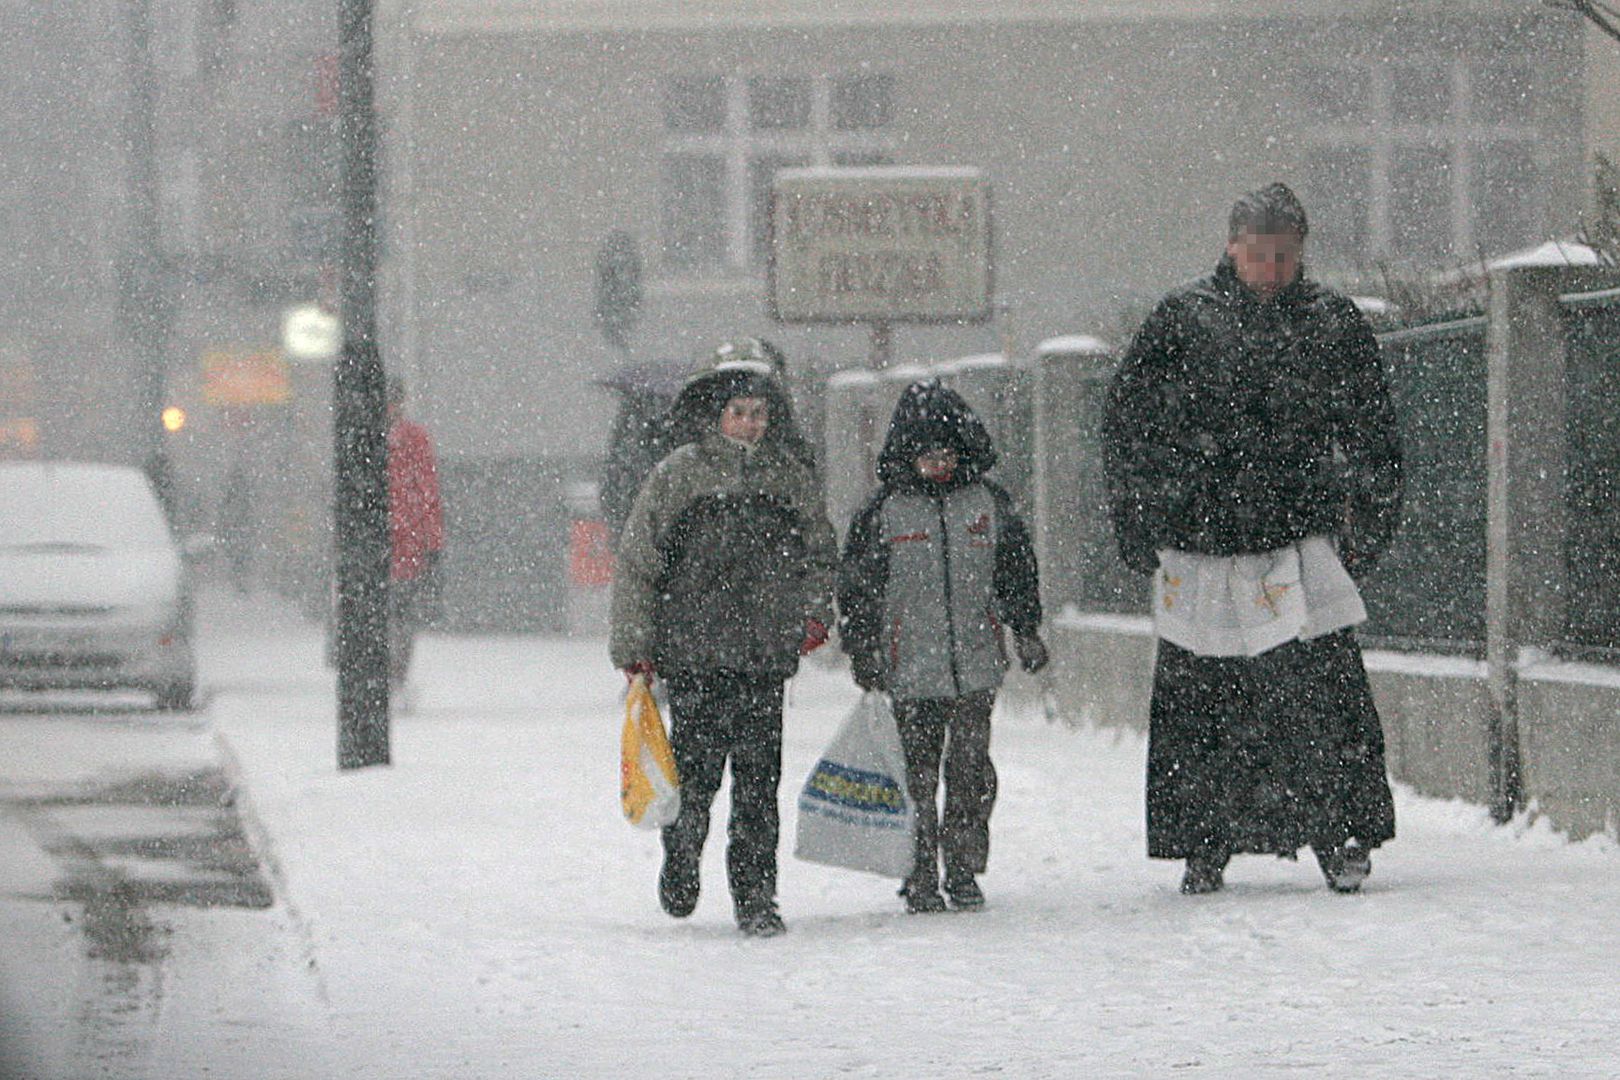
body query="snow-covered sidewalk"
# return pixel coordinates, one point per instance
(479, 909)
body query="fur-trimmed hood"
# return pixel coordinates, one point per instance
(696, 410)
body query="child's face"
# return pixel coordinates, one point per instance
(744, 419)
(937, 465)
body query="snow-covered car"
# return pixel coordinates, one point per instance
(94, 590)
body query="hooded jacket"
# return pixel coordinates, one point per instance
(931, 572)
(727, 550)
(1236, 426)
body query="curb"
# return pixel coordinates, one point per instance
(263, 844)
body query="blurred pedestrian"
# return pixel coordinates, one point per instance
(238, 526)
(934, 566)
(1252, 459)
(724, 580)
(416, 536)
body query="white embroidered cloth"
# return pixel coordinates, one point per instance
(1244, 605)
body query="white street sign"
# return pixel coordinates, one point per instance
(881, 245)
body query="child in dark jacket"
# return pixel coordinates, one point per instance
(934, 566)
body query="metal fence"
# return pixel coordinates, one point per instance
(1429, 591)
(1592, 476)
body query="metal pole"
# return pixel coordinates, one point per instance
(147, 309)
(361, 443)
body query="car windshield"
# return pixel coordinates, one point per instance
(77, 505)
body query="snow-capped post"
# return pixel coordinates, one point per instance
(361, 447)
(880, 246)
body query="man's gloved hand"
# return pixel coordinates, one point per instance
(815, 636)
(868, 672)
(1032, 654)
(644, 668)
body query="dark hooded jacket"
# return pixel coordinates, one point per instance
(1238, 426)
(932, 572)
(727, 550)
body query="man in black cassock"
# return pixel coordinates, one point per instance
(1250, 414)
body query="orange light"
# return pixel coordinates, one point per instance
(174, 418)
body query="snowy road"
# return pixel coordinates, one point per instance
(138, 943)
(480, 909)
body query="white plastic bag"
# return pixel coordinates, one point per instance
(854, 810)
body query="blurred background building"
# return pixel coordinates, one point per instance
(523, 136)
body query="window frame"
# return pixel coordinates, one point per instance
(739, 145)
(1376, 130)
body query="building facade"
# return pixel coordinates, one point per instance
(1115, 137)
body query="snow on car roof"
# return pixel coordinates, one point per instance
(78, 503)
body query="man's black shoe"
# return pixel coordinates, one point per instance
(1206, 873)
(1345, 867)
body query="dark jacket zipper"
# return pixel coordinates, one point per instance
(950, 610)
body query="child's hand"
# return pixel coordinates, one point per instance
(815, 636)
(1032, 654)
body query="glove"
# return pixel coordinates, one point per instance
(643, 668)
(868, 672)
(1032, 654)
(815, 636)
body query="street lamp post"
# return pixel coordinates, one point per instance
(147, 309)
(361, 446)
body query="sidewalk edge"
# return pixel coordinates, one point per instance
(263, 844)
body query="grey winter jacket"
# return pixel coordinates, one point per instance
(931, 573)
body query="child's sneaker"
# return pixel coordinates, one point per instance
(922, 898)
(761, 920)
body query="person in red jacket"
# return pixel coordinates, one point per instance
(416, 532)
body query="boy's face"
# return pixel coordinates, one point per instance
(937, 465)
(1266, 262)
(744, 419)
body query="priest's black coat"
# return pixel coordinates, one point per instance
(1237, 425)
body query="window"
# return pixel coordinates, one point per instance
(696, 104)
(1420, 202)
(862, 102)
(1420, 93)
(1505, 195)
(1339, 180)
(1502, 92)
(778, 104)
(1425, 159)
(694, 218)
(725, 139)
(1338, 93)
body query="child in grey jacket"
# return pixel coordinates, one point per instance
(934, 567)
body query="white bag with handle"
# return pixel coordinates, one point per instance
(854, 810)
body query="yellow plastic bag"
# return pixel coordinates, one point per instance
(649, 788)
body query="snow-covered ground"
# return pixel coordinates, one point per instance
(480, 909)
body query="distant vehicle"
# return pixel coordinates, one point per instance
(94, 591)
